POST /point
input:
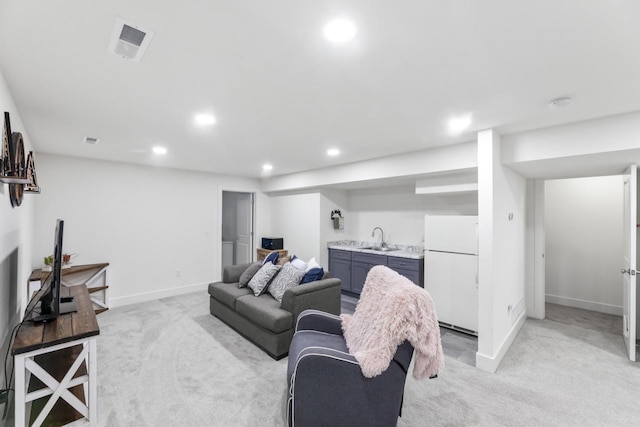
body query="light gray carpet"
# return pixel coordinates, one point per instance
(170, 363)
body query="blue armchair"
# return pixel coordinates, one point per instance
(326, 385)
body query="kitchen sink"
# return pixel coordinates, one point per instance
(378, 248)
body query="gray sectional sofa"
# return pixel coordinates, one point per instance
(263, 320)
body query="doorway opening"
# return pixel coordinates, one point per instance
(237, 227)
(583, 252)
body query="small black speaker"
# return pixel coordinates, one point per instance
(272, 243)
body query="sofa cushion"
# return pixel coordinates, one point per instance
(265, 312)
(298, 263)
(261, 280)
(248, 274)
(313, 275)
(272, 257)
(227, 293)
(312, 264)
(288, 277)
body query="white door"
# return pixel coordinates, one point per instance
(451, 233)
(452, 282)
(629, 261)
(244, 237)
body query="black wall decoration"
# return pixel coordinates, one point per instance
(19, 173)
(32, 186)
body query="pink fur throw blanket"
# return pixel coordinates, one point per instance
(393, 309)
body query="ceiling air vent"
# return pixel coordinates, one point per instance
(129, 41)
(90, 140)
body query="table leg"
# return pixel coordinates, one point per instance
(93, 386)
(20, 391)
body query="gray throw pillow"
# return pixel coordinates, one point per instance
(260, 281)
(288, 277)
(248, 274)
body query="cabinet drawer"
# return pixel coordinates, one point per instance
(404, 263)
(339, 254)
(369, 258)
(412, 275)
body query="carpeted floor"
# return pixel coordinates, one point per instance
(170, 363)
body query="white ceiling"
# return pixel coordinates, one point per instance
(282, 94)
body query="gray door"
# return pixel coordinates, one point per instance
(244, 237)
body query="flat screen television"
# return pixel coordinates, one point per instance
(47, 304)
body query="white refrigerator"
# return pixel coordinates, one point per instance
(451, 269)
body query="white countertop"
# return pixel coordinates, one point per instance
(400, 253)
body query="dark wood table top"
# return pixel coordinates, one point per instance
(68, 327)
(38, 274)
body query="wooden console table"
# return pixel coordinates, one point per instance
(61, 355)
(262, 253)
(94, 276)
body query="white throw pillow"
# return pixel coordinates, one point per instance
(299, 264)
(312, 264)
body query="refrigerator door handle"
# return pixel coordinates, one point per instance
(477, 240)
(477, 273)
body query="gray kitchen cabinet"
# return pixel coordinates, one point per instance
(340, 267)
(412, 269)
(361, 263)
(352, 268)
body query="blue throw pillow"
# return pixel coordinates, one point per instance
(272, 257)
(313, 275)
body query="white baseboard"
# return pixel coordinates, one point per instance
(491, 363)
(153, 295)
(584, 304)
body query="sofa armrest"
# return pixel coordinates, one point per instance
(323, 295)
(327, 388)
(232, 273)
(320, 321)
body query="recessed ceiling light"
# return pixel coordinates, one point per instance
(90, 140)
(340, 30)
(560, 102)
(459, 124)
(267, 167)
(333, 152)
(159, 150)
(205, 119)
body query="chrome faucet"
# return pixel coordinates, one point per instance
(382, 243)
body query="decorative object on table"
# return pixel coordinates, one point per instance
(338, 220)
(48, 263)
(273, 243)
(66, 261)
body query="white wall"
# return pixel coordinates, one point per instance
(440, 159)
(583, 227)
(400, 212)
(502, 243)
(16, 232)
(331, 200)
(147, 222)
(604, 146)
(296, 218)
(304, 219)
